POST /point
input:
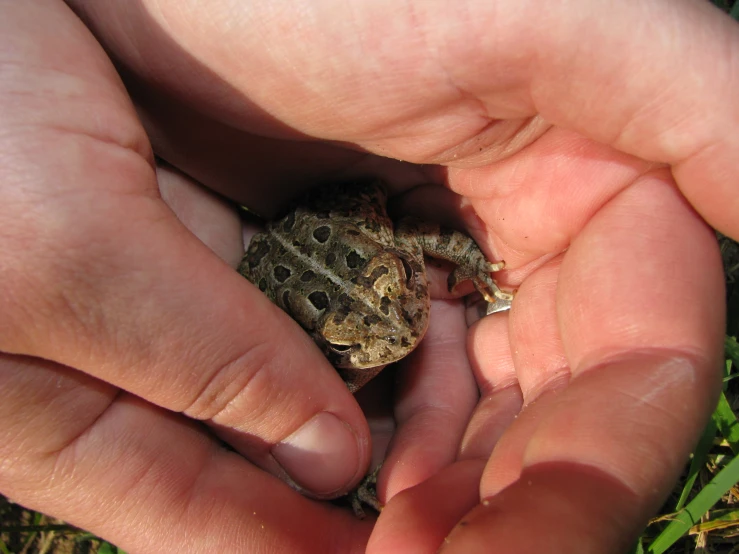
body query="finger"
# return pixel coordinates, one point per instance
(489, 347)
(435, 397)
(537, 350)
(645, 367)
(594, 91)
(208, 216)
(418, 519)
(525, 88)
(142, 477)
(215, 131)
(101, 276)
(652, 116)
(517, 357)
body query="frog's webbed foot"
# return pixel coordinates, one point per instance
(366, 495)
(482, 280)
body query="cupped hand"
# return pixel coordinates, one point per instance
(593, 387)
(553, 128)
(129, 344)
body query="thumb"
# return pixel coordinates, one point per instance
(101, 276)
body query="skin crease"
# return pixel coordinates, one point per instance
(129, 341)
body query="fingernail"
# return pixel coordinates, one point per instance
(322, 456)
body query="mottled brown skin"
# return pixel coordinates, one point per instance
(335, 264)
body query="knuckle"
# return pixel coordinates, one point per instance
(241, 385)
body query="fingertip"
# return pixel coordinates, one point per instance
(324, 456)
(418, 519)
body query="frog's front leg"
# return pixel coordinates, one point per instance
(447, 244)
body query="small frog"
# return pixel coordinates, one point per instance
(357, 284)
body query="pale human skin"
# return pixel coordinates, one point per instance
(613, 347)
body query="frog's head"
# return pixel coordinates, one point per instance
(379, 321)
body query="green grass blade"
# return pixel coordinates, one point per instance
(704, 500)
(726, 422)
(732, 349)
(106, 548)
(720, 519)
(638, 548)
(700, 455)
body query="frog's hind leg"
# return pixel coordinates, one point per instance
(366, 494)
(447, 244)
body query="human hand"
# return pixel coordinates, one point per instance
(399, 124)
(121, 332)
